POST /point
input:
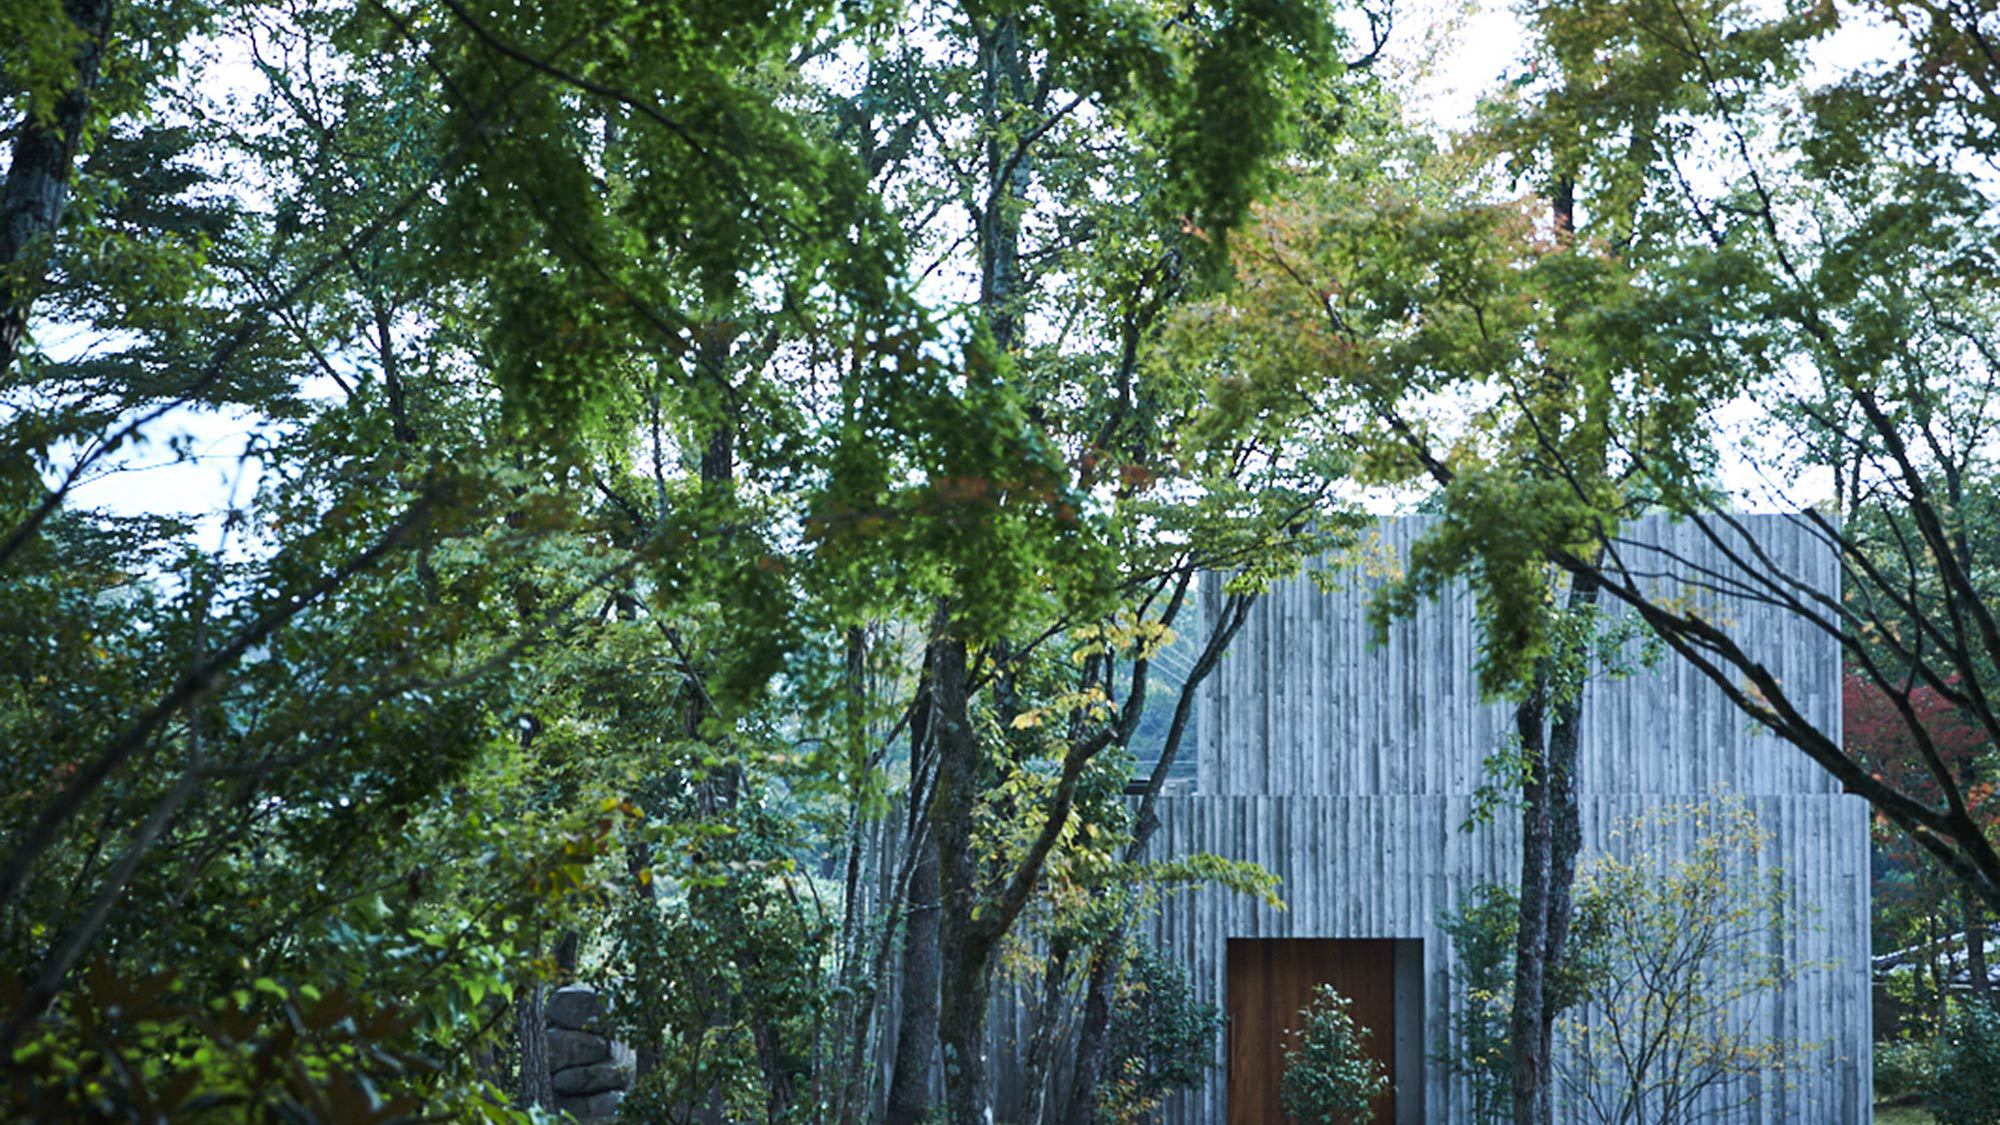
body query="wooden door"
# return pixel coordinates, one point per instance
(1270, 980)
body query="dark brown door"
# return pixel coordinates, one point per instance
(1270, 979)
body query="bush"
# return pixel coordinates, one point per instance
(1905, 1070)
(1160, 1039)
(1328, 1077)
(1968, 1068)
(1477, 1046)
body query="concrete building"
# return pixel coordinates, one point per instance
(1350, 769)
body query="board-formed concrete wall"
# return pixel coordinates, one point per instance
(1348, 770)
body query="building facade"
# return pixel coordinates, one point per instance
(1350, 769)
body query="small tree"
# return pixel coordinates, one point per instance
(1159, 1039)
(1478, 1044)
(1682, 942)
(1329, 1077)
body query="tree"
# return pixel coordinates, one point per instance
(1909, 896)
(613, 433)
(1838, 294)
(1863, 335)
(1375, 297)
(1680, 937)
(1824, 304)
(1084, 170)
(227, 755)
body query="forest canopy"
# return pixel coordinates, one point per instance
(740, 498)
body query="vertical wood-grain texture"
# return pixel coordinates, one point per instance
(1349, 769)
(1269, 982)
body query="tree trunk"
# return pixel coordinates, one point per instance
(917, 1021)
(1565, 838)
(843, 1061)
(1975, 947)
(1531, 939)
(1003, 93)
(1105, 962)
(1565, 841)
(780, 1090)
(968, 987)
(1551, 835)
(537, 1085)
(966, 962)
(38, 177)
(917, 1014)
(1042, 1045)
(1940, 966)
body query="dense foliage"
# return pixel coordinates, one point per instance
(667, 516)
(1330, 1079)
(1966, 1092)
(707, 497)
(1160, 1039)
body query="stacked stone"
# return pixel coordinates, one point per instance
(590, 1071)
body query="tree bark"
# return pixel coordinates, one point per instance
(1004, 91)
(1531, 938)
(1565, 837)
(1565, 841)
(967, 987)
(38, 177)
(966, 961)
(1977, 978)
(537, 1085)
(917, 1021)
(1551, 835)
(848, 1049)
(1042, 1044)
(1106, 961)
(917, 1014)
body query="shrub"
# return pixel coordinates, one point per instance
(1160, 1039)
(1968, 1068)
(1328, 1077)
(1905, 1070)
(1477, 1046)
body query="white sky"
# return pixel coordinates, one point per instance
(1446, 54)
